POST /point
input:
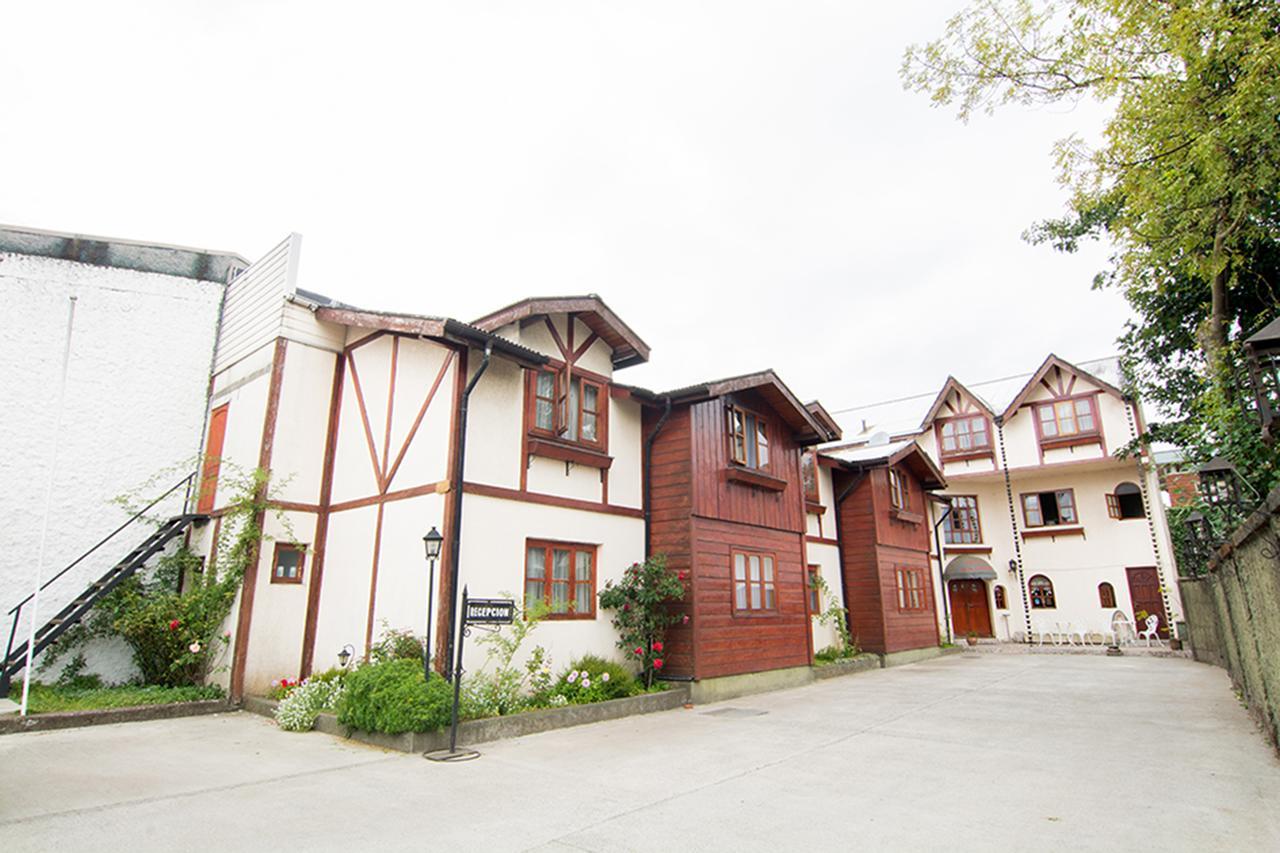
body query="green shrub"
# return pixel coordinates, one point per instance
(396, 644)
(332, 675)
(297, 712)
(393, 697)
(593, 679)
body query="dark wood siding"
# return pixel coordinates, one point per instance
(730, 644)
(715, 497)
(874, 545)
(670, 506)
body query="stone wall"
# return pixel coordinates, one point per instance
(1233, 612)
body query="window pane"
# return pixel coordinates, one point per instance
(589, 397)
(762, 444)
(753, 563)
(588, 426)
(1048, 427)
(534, 591)
(560, 564)
(1066, 507)
(582, 569)
(755, 596)
(768, 597)
(949, 436)
(572, 422)
(1066, 417)
(545, 410)
(768, 569)
(1032, 505)
(740, 595)
(1084, 415)
(739, 567)
(582, 597)
(546, 385)
(749, 438)
(287, 562)
(536, 563)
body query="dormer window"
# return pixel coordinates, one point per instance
(748, 438)
(568, 407)
(968, 435)
(1067, 418)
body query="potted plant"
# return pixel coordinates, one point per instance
(971, 638)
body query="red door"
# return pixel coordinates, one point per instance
(969, 609)
(212, 459)
(1144, 594)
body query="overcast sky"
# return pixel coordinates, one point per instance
(746, 184)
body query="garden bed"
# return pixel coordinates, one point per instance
(848, 666)
(471, 732)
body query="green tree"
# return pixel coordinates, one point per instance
(1185, 181)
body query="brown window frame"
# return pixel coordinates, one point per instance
(764, 584)
(755, 427)
(899, 490)
(301, 550)
(563, 381)
(1049, 602)
(1000, 596)
(1026, 512)
(985, 449)
(912, 597)
(948, 528)
(1116, 506)
(1057, 420)
(1106, 596)
(549, 546)
(813, 570)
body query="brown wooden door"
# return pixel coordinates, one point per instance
(212, 459)
(1144, 594)
(969, 608)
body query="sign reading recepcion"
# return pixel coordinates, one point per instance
(490, 611)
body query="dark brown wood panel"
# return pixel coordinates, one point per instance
(670, 502)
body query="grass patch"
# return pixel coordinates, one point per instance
(45, 698)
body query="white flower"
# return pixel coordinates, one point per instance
(604, 676)
(194, 648)
(586, 682)
(573, 676)
(586, 674)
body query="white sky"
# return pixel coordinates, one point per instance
(746, 184)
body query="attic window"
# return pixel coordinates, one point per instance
(964, 436)
(899, 494)
(748, 438)
(1067, 418)
(568, 407)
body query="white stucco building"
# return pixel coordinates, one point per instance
(1050, 530)
(142, 339)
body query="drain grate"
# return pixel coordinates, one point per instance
(734, 713)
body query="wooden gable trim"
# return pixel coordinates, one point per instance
(628, 348)
(953, 384)
(1042, 372)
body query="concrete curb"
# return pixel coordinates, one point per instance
(106, 716)
(496, 728)
(852, 666)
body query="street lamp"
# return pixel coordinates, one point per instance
(344, 656)
(431, 542)
(1262, 351)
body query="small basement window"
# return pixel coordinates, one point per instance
(1126, 502)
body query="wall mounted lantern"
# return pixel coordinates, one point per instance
(344, 656)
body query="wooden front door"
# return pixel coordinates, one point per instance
(969, 608)
(1144, 594)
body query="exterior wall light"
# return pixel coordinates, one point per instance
(344, 656)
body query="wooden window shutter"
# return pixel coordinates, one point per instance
(1113, 506)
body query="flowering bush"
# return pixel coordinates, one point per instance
(297, 712)
(642, 605)
(594, 679)
(282, 688)
(501, 686)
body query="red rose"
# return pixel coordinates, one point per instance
(657, 663)
(682, 575)
(173, 624)
(657, 647)
(684, 620)
(626, 607)
(639, 651)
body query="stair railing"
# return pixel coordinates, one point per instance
(16, 612)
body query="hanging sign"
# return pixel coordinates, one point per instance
(490, 611)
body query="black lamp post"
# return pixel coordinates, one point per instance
(1262, 351)
(432, 542)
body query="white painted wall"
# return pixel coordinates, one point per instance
(134, 407)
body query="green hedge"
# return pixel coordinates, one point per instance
(392, 697)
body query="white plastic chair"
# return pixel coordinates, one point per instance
(1122, 629)
(1153, 626)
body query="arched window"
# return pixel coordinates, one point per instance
(1106, 595)
(1126, 502)
(1041, 593)
(1001, 604)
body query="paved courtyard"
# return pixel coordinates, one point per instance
(969, 752)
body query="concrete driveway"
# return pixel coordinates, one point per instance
(970, 752)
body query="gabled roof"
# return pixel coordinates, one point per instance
(807, 428)
(953, 384)
(628, 348)
(1062, 364)
(905, 452)
(823, 417)
(444, 328)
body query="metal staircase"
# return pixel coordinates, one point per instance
(16, 658)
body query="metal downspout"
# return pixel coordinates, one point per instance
(459, 460)
(946, 598)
